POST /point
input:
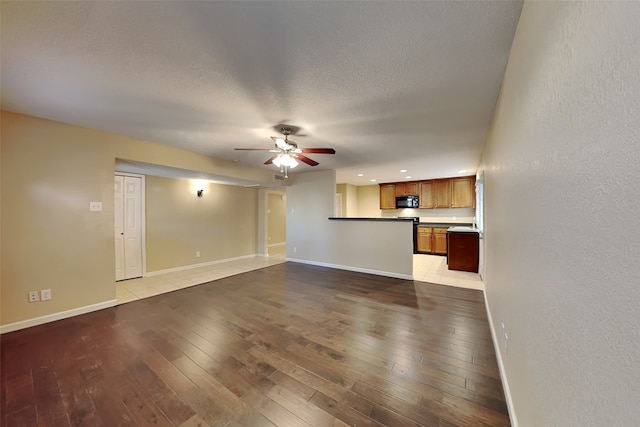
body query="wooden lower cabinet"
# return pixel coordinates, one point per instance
(432, 240)
(424, 239)
(464, 251)
(440, 241)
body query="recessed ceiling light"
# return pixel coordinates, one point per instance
(360, 174)
(408, 176)
(403, 170)
(373, 180)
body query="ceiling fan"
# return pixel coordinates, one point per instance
(288, 153)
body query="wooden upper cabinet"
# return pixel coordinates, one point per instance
(387, 196)
(407, 189)
(442, 193)
(426, 196)
(463, 192)
(459, 192)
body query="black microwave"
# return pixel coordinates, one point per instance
(403, 202)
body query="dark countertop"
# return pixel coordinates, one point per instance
(444, 224)
(369, 219)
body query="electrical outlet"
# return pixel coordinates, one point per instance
(295, 249)
(45, 295)
(197, 254)
(33, 296)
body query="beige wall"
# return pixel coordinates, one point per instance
(277, 221)
(369, 201)
(349, 194)
(562, 239)
(50, 240)
(342, 190)
(221, 224)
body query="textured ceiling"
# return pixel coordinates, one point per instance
(389, 85)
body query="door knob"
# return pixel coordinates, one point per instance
(122, 234)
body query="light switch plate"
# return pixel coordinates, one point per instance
(95, 206)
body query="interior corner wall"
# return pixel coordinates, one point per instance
(222, 224)
(50, 239)
(310, 199)
(351, 201)
(561, 215)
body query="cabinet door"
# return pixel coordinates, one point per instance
(426, 198)
(424, 242)
(412, 189)
(401, 189)
(440, 243)
(442, 193)
(463, 193)
(387, 196)
(463, 251)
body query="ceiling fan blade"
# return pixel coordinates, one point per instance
(305, 159)
(268, 162)
(319, 150)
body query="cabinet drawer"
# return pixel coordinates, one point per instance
(424, 229)
(440, 230)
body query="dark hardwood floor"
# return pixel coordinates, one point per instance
(287, 345)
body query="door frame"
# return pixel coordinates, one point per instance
(263, 221)
(143, 210)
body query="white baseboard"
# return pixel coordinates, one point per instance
(351, 268)
(56, 316)
(202, 264)
(503, 375)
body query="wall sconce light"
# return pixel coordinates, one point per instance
(199, 185)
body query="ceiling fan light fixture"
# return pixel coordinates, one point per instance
(292, 162)
(280, 143)
(285, 160)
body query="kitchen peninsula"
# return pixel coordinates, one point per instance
(425, 237)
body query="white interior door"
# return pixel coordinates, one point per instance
(118, 189)
(128, 226)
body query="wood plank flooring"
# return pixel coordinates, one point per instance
(287, 345)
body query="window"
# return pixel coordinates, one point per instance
(480, 202)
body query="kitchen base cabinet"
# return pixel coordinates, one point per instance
(463, 251)
(424, 240)
(432, 240)
(440, 241)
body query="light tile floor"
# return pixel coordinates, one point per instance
(134, 289)
(426, 268)
(433, 269)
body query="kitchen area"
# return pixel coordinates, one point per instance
(446, 237)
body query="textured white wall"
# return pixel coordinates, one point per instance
(310, 200)
(384, 248)
(562, 204)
